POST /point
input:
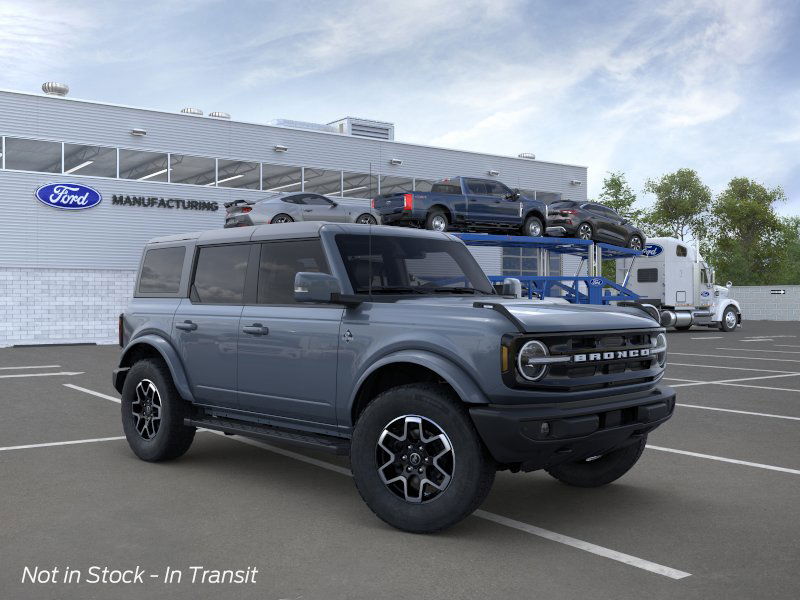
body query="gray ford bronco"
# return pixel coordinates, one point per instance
(388, 345)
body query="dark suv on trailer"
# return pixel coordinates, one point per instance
(592, 221)
(388, 344)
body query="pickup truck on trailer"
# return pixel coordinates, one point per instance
(465, 204)
(389, 345)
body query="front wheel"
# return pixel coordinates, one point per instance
(417, 460)
(153, 413)
(729, 320)
(533, 227)
(367, 219)
(596, 471)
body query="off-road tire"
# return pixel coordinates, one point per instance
(600, 471)
(434, 217)
(531, 223)
(473, 468)
(172, 438)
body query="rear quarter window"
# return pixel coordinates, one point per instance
(161, 271)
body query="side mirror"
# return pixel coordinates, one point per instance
(334, 204)
(729, 285)
(315, 287)
(512, 287)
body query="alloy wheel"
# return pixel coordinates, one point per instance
(366, 220)
(415, 458)
(282, 219)
(146, 409)
(635, 243)
(438, 223)
(730, 319)
(585, 231)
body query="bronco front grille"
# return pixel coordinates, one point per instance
(605, 360)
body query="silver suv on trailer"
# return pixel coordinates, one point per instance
(389, 345)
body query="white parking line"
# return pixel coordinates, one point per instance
(708, 337)
(92, 392)
(759, 340)
(481, 514)
(754, 350)
(787, 345)
(673, 364)
(727, 381)
(68, 443)
(31, 367)
(67, 373)
(746, 358)
(727, 460)
(739, 412)
(585, 546)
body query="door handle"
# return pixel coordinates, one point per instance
(256, 329)
(308, 209)
(186, 326)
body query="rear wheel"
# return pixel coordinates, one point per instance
(584, 232)
(281, 218)
(533, 227)
(153, 413)
(596, 471)
(417, 460)
(729, 320)
(635, 242)
(367, 219)
(437, 220)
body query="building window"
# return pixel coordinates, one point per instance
(279, 178)
(33, 155)
(396, 185)
(194, 170)
(238, 174)
(359, 185)
(143, 166)
(96, 161)
(423, 185)
(322, 181)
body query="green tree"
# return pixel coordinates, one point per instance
(750, 243)
(681, 206)
(617, 194)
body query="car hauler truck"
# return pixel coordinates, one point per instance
(672, 276)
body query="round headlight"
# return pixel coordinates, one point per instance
(660, 346)
(527, 360)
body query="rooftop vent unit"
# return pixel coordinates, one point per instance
(51, 88)
(376, 130)
(527, 155)
(302, 125)
(192, 111)
(219, 115)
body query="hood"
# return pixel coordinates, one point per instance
(541, 316)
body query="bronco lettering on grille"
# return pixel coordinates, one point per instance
(616, 355)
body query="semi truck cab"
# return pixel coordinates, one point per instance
(672, 276)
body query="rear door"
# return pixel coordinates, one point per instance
(288, 352)
(480, 202)
(207, 323)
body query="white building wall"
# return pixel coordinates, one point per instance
(758, 303)
(62, 306)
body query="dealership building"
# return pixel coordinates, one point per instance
(65, 275)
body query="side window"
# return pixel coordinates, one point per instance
(219, 274)
(300, 199)
(681, 250)
(280, 262)
(161, 270)
(446, 188)
(495, 188)
(704, 276)
(476, 186)
(647, 275)
(316, 200)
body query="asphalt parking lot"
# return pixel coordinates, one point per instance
(710, 511)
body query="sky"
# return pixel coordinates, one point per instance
(639, 87)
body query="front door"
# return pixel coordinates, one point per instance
(206, 325)
(288, 352)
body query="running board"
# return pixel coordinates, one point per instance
(328, 443)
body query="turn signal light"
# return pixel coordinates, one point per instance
(408, 201)
(569, 212)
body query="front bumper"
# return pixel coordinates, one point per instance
(539, 436)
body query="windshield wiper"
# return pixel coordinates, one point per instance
(457, 290)
(396, 289)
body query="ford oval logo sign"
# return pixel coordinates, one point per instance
(705, 293)
(652, 250)
(596, 281)
(68, 196)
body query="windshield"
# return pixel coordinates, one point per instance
(383, 264)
